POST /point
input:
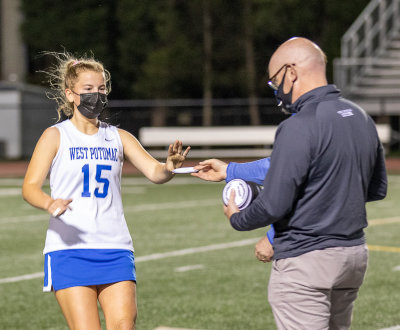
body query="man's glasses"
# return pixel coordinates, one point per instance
(271, 82)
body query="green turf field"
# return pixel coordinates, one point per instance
(188, 277)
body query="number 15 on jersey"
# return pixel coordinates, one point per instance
(100, 169)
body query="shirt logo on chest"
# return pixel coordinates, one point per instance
(346, 112)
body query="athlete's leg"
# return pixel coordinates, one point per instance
(118, 301)
(79, 306)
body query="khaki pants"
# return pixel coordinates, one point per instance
(316, 290)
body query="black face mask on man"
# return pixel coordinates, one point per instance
(92, 104)
(284, 100)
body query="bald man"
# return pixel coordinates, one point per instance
(302, 66)
(327, 162)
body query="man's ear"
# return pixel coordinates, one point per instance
(292, 74)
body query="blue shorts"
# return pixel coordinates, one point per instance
(83, 267)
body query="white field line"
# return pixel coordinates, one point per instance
(137, 208)
(21, 278)
(383, 221)
(188, 268)
(6, 192)
(171, 253)
(25, 218)
(11, 182)
(155, 256)
(133, 190)
(207, 248)
(396, 327)
(168, 328)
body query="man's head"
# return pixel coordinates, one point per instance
(295, 68)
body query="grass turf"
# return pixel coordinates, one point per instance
(227, 290)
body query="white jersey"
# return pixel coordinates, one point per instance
(87, 168)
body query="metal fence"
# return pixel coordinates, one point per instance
(36, 113)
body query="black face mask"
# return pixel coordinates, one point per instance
(92, 104)
(284, 100)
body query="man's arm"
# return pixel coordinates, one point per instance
(251, 171)
(217, 170)
(377, 187)
(288, 171)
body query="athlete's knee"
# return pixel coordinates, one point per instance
(125, 323)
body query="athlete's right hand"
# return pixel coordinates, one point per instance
(58, 206)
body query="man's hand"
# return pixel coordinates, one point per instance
(231, 208)
(264, 250)
(211, 170)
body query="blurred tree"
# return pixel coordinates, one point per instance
(75, 26)
(172, 67)
(170, 64)
(322, 21)
(138, 37)
(250, 62)
(207, 64)
(161, 48)
(229, 73)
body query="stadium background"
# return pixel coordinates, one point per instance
(183, 63)
(174, 63)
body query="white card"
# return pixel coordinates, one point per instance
(184, 170)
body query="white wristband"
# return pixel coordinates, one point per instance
(55, 213)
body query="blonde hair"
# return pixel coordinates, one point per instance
(64, 74)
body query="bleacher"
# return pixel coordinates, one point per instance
(221, 141)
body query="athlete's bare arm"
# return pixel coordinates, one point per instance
(154, 170)
(42, 157)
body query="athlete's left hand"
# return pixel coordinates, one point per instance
(176, 156)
